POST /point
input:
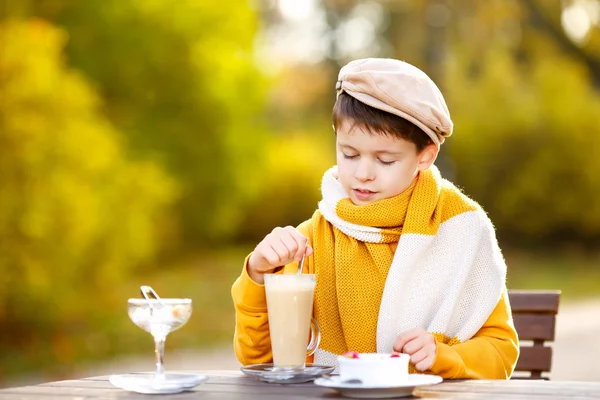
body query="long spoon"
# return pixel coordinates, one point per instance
(149, 293)
(301, 264)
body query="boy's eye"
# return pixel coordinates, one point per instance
(387, 162)
(349, 156)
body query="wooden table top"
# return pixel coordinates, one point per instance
(234, 385)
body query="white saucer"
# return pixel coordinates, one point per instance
(268, 373)
(144, 382)
(358, 390)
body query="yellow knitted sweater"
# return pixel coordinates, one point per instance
(356, 297)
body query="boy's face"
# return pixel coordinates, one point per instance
(373, 166)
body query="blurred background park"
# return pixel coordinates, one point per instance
(156, 142)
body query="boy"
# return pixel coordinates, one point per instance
(405, 262)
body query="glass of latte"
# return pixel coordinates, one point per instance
(290, 305)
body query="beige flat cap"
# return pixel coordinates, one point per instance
(401, 89)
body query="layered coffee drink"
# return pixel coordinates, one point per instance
(290, 303)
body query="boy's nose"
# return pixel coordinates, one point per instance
(364, 171)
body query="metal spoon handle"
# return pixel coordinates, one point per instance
(301, 263)
(149, 293)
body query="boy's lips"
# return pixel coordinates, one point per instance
(363, 194)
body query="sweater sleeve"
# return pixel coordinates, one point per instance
(491, 353)
(251, 341)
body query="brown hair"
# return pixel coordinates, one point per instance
(347, 108)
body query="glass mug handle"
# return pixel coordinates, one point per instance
(315, 337)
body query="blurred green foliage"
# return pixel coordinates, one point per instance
(130, 132)
(140, 140)
(294, 166)
(76, 216)
(180, 83)
(529, 157)
(526, 111)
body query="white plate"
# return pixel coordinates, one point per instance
(358, 390)
(144, 382)
(267, 373)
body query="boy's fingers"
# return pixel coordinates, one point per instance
(298, 236)
(309, 250)
(299, 246)
(413, 346)
(399, 344)
(301, 243)
(290, 244)
(424, 364)
(418, 356)
(404, 338)
(295, 233)
(282, 252)
(270, 256)
(302, 246)
(424, 358)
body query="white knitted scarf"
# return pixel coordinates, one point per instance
(448, 282)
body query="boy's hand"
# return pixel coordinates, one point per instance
(278, 248)
(420, 345)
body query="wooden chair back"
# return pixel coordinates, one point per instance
(534, 315)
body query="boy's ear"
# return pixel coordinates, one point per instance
(427, 156)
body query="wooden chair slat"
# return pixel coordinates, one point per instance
(535, 359)
(534, 314)
(536, 301)
(535, 326)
